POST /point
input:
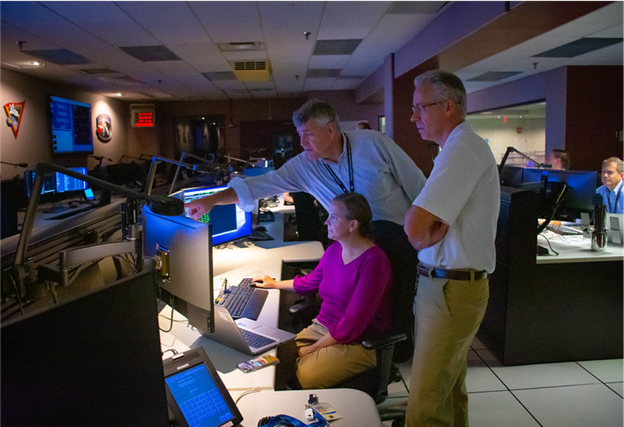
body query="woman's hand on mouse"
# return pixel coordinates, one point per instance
(264, 281)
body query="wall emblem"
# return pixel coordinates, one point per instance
(104, 127)
(14, 111)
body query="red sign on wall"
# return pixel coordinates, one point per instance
(143, 115)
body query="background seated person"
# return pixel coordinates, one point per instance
(353, 281)
(611, 190)
(559, 159)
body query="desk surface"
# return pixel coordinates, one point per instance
(356, 407)
(576, 249)
(236, 263)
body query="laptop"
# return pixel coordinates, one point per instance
(245, 335)
(195, 393)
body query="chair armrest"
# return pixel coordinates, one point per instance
(385, 340)
(305, 302)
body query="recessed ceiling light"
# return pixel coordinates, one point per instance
(37, 63)
(119, 94)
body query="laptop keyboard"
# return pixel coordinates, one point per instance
(243, 300)
(201, 407)
(255, 340)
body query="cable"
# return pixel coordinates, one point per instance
(170, 324)
(549, 245)
(246, 392)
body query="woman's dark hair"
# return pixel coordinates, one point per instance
(357, 208)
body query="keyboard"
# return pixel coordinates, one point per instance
(564, 230)
(255, 340)
(243, 300)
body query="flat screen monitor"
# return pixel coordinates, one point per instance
(49, 183)
(92, 360)
(580, 193)
(511, 176)
(71, 126)
(185, 278)
(66, 183)
(229, 222)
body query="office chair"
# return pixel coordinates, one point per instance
(373, 382)
(310, 226)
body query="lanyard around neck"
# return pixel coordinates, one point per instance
(350, 164)
(617, 197)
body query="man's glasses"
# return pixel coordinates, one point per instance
(421, 108)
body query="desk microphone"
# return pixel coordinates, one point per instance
(599, 235)
(21, 165)
(100, 158)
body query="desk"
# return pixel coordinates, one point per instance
(574, 249)
(560, 308)
(236, 263)
(356, 407)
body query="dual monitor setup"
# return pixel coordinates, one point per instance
(563, 194)
(57, 183)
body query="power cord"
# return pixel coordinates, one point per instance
(247, 392)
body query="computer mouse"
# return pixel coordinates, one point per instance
(261, 228)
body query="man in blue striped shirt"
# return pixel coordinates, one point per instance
(334, 162)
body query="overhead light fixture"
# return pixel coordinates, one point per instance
(37, 63)
(307, 34)
(119, 94)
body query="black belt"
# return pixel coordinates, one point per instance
(442, 273)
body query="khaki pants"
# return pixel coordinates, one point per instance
(330, 365)
(448, 315)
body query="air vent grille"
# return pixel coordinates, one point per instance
(252, 70)
(250, 66)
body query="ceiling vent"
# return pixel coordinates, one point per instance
(240, 46)
(252, 71)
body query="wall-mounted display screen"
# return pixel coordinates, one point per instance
(71, 126)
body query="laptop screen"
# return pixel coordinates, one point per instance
(196, 394)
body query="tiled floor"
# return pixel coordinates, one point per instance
(572, 394)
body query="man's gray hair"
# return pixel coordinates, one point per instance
(322, 112)
(445, 86)
(616, 160)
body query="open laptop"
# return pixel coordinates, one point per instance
(245, 335)
(196, 394)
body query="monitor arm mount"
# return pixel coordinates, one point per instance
(23, 271)
(151, 176)
(199, 168)
(514, 150)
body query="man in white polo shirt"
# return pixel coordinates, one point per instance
(452, 223)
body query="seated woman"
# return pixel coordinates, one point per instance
(353, 281)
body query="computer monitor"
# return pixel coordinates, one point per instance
(64, 183)
(92, 360)
(580, 192)
(229, 222)
(49, 183)
(511, 176)
(185, 278)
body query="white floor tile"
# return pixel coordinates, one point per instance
(543, 375)
(497, 409)
(606, 370)
(617, 387)
(479, 377)
(397, 389)
(575, 406)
